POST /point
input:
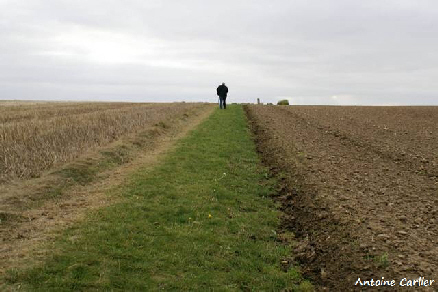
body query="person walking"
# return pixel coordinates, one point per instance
(222, 92)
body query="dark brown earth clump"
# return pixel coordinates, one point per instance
(359, 189)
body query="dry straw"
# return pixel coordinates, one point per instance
(37, 137)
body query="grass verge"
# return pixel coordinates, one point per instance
(201, 220)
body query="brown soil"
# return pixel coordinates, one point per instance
(31, 225)
(359, 189)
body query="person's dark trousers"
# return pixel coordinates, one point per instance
(222, 102)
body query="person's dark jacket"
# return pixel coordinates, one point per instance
(222, 91)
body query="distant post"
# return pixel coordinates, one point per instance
(258, 100)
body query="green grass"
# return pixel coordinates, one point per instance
(202, 220)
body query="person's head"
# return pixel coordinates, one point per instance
(223, 83)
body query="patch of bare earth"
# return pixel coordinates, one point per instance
(33, 219)
(359, 189)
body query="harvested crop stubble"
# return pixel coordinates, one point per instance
(361, 188)
(22, 111)
(31, 146)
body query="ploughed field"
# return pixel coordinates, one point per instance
(360, 188)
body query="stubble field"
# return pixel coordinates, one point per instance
(360, 188)
(36, 137)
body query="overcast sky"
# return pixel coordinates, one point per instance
(369, 52)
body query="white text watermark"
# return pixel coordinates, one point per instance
(404, 282)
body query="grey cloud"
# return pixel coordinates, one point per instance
(361, 52)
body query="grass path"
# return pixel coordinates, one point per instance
(202, 220)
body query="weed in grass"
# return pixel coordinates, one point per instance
(6, 217)
(382, 260)
(119, 155)
(79, 173)
(162, 125)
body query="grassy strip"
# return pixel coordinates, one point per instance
(202, 220)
